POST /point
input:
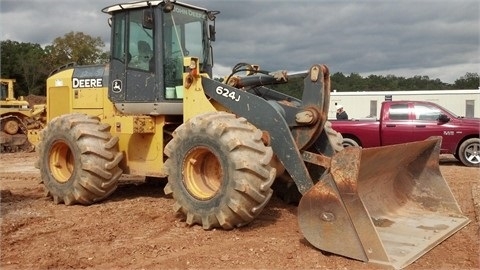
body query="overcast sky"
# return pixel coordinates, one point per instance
(436, 38)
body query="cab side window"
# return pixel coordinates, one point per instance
(141, 42)
(118, 51)
(398, 112)
(138, 52)
(426, 113)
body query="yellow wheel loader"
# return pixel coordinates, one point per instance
(155, 111)
(17, 119)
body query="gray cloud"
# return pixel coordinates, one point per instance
(41, 21)
(439, 39)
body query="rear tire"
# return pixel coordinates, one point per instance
(78, 159)
(469, 152)
(219, 172)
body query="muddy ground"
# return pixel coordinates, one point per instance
(136, 229)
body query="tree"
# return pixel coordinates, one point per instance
(24, 62)
(337, 81)
(35, 71)
(469, 81)
(355, 82)
(76, 47)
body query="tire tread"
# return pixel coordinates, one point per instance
(96, 171)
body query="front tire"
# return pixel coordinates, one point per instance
(469, 152)
(78, 159)
(219, 172)
(348, 142)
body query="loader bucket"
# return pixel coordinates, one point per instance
(386, 205)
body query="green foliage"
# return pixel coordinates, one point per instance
(469, 81)
(355, 82)
(293, 88)
(76, 47)
(24, 62)
(29, 64)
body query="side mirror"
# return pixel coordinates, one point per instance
(443, 118)
(211, 28)
(211, 15)
(147, 19)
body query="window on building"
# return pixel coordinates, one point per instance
(373, 108)
(470, 108)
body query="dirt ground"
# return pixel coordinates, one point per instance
(135, 228)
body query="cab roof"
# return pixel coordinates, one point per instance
(139, 4)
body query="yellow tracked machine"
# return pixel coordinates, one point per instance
(17, 120)
(155, 111)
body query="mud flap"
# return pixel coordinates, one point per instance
(386, 205)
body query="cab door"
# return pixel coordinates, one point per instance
(141, 79)
(427, 123)
(133, 77)
(396, 125)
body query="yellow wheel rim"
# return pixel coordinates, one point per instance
(61, 161)
(202, 173)
(11, 127)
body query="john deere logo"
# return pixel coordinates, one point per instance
(117, 86)
(87, 82)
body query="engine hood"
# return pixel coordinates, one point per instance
(469, 121)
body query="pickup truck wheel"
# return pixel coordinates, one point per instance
(347, 142)
(469, 152)
(219, 171)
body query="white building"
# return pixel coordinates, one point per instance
(367, 104)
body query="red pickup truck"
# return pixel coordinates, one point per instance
(407, 121)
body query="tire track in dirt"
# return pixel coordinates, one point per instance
(136, 228)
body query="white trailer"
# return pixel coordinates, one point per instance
(367, 104)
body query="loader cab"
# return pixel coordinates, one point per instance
(148, 42)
